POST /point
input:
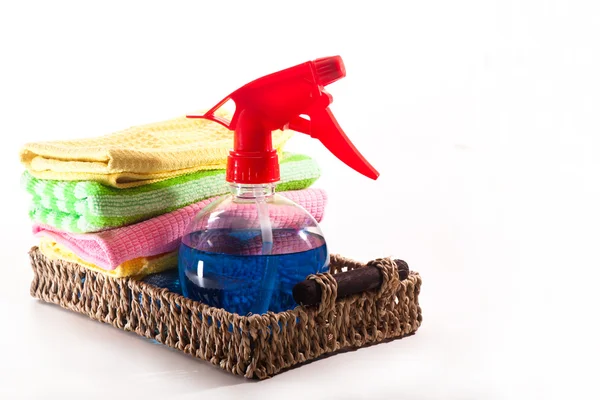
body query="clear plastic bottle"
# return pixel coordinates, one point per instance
(247, 250)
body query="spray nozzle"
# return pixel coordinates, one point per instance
(329, 69)
(278, 101)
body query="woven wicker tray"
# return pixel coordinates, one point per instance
(258, 346)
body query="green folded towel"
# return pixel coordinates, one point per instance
(88, 206)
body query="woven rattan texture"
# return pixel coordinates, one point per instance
(258, 346)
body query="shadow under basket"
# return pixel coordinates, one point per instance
(256, 346)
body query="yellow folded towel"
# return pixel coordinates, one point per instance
(137, 267)
(138, 155)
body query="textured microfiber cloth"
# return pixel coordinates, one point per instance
(89, 206)
(138, 155)
(162, 234)
(141, 266)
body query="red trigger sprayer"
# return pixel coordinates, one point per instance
(246, 251)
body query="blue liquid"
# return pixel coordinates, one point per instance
(248, 283)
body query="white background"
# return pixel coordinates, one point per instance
(482, 117)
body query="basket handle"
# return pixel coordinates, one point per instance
(383, 274)
(327, 287)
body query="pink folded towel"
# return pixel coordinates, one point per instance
(108, 249)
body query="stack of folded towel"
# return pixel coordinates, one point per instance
(119, 204)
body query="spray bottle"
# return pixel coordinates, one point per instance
(247, 250)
